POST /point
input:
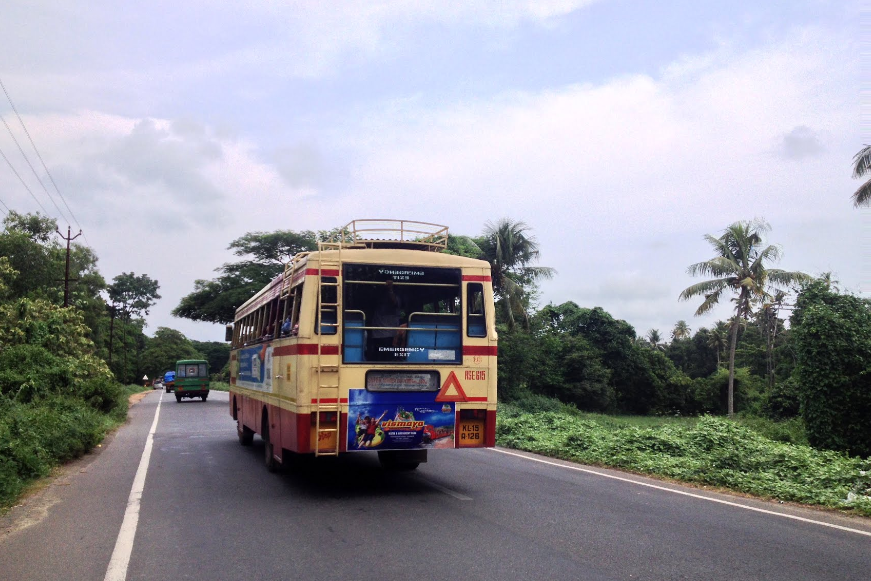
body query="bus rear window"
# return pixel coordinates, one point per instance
(192, 370)
(401, 314)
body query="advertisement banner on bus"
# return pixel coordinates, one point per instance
(255, 368)
(398, 421)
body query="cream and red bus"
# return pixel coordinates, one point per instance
(378, 341)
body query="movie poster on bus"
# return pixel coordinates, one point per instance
(398, 421)
(255, 368)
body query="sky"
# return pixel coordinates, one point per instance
(620, 132)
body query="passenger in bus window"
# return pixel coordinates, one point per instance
(387, 316)
(285, 327)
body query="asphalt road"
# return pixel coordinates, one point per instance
(209, 510)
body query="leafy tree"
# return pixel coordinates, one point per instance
(131, 296)
(463, 246)
(217, 354)
(511, 250)
(164, 349)
(861, 167)
(740, 267)
(832, 339)
(44, 348)
(134, 294)
(216, 301)
(28, 244)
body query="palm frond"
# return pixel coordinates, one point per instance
(862, 162)
(862, 196)
(704, 288)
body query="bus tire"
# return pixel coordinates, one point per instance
(204, 397)
(178, 398)
(246, 434)
(269, 452)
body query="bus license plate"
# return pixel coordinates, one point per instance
(471, 434)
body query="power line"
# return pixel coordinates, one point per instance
(36, 175)
(44, 166)
(23, 183)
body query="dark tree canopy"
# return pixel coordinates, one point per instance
(134, 294)
(216, 300)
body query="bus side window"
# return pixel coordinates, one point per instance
(476, 323)
(325, 319)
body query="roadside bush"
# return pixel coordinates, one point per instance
(711, 451)
(100, 393)
(28, 372)
(43, 433)
(832, 335)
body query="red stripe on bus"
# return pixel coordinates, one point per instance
(329, 400)
(324, 272)
(305, 349)
(476, 398)
(485, 350)
(476, 278)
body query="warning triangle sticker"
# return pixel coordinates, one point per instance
(451, 390)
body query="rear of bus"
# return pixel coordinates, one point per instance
(191, 379)
(418, 353)
(376, 344)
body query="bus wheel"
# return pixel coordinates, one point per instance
(178, 398)
(204, 397)
(246, 434)
(269, 452)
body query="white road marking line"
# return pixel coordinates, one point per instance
(684, 493)
(117, 570)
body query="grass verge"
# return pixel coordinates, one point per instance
(751, 458)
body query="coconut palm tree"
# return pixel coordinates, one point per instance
(862, 166)
(510, 249)
(681, 331)
(654, 340)
(740, 267)
(718, 339)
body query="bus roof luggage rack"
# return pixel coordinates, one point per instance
(378, 233)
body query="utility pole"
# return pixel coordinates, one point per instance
(67, 272)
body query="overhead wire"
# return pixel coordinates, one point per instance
(44, 166)
(36, 175)
(23, 183)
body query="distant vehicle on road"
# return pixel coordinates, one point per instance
(157, 384)
(191, 379)
(169, 381)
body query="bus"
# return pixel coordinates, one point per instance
(191, 379)
(378, 341)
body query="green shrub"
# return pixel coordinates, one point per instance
(41, 434)
(832, 337)
(30, 371)
(710, 450)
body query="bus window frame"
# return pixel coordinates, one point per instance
(475, 289)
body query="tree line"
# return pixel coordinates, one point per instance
(100, 336)
(760, 361)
